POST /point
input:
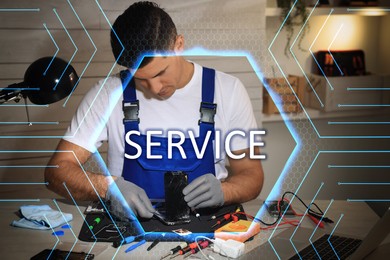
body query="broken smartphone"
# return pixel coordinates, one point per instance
(176, 208)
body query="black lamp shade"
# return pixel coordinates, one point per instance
(49, 84)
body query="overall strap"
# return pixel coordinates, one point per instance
(208, 108)
(130, 103)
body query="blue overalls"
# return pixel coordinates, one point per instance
(149, 173)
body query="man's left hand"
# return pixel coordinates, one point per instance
(205, 191)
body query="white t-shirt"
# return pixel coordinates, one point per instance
(99, 117)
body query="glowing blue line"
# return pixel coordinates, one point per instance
(27, 166)
(363, 105)
(299, 101)
(250, 60)
(101, 200)
(20, 10)
(311, 121)
(71, 229)
(1, 89)
(303, 215)
(296, 60)
(315, 229)
(82, 215)
(287, 122)
(363, 183)
(357, 151)
(297, 140)
(281, 27)
(55, 234)
(90, 59)
(356, 89)
(24, 183)
(357, 137)
(29, 123)
(358, 166)
(88, 110)
(368, 200)
(55, 54)
(27, 151)
(335, 62)
(28, 105)
(17, 200)
(109, 73)
(280, 108)
(31, 136)
(367, 9)
(74, 53)
(331, 234)
(357, 123)
(311, 46)
(35, 151)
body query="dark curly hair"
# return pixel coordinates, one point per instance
(143, 28)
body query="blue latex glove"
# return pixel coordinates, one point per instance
(205, 191)
(124, 194)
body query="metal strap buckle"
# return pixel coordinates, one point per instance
(207, 112)
(130, 111)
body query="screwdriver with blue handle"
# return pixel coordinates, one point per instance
(129, 239)
(132, 247)
(126, 240)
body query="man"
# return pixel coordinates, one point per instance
(161, 99)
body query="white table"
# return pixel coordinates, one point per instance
(19, 243)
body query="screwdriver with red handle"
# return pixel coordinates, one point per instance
(225, 218)
(185, 250)
(175, 249)
(202, 245)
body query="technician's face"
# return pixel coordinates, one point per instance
(161, 77)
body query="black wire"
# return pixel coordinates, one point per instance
(307, 207)
(309, 210)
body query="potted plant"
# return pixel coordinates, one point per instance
(296, 18)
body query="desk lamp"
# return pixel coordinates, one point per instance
(46, 80)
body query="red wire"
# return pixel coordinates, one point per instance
(290, 222)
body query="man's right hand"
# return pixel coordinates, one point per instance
(123, 191)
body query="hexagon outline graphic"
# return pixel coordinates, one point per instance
(203, 52)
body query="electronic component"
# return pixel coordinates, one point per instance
(230, 248)
(273, 208)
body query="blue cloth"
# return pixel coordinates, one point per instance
(41, 217)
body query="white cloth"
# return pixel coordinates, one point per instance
(41, 217)
(99, 116)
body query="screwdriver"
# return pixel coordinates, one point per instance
(127, 240)
(225, 218)
(186, 249)
(202, 245)
(217, 216)
(175, 250)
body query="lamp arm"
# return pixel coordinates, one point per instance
(12, 92)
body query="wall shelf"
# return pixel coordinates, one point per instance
(350, 10)
(316, 114)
